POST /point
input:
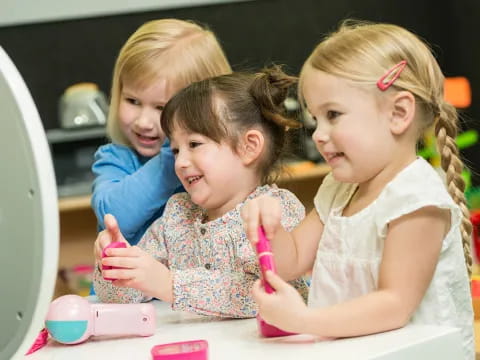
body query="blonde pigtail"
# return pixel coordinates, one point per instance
(446, 132)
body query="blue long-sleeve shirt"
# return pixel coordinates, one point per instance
(133, 188)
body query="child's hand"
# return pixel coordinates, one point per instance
(139, 270)
(110, 234)
(284, 308)
(264, 210)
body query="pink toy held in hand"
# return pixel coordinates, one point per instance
(71, 319)
(116, 244)
(266, 261)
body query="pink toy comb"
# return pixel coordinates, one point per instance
(266, 261)
(391, 75)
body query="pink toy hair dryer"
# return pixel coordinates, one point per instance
(71, 319)
(266, 261)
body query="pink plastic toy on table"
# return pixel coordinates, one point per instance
(266, 261)
(184, 350)
(71, 319)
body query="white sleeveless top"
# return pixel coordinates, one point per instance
(350, 249)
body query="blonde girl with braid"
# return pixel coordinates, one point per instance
(388, 240)
(228, 135)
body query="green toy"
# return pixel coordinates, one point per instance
(464, 140)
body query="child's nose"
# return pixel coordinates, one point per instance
(145, 120)
(321, 134)
(182, 160)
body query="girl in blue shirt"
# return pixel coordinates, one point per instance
(134, 175)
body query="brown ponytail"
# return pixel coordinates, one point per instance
(270, 88)
(224, 107)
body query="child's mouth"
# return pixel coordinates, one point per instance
(334, 156)
(147, 139)
(193, 179)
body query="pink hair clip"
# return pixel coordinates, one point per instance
(391, 75)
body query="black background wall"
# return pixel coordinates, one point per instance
(52, 56)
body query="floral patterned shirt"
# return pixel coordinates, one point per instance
(212, 263)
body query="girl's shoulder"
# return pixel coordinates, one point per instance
(291, 205)
(417, 186)
(418, 182)
(285, 196)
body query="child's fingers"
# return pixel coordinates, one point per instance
(118, 261)
(257, 290)
(128, 252)
(110, 221)
(250, 218)
(102, 240)
(275, 281)
(270, 216)
(111, 225)
(118, 274)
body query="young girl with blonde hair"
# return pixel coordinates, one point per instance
(388, 241)
(228, 135)
(134, 174)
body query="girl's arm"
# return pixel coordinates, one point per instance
(133, 195)
(408, 264)
(294, 251)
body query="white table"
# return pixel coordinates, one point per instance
(238, 339)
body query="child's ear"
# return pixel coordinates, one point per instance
(251, 146)
(403, 112)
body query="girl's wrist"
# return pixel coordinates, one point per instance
(169, 288)
(303, 320)
(165, 292)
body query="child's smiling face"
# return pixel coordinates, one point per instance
(212, 173)
(352, 129)
(139, 115)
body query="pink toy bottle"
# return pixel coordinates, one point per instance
(266, 261)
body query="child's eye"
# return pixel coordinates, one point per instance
(160, 107)
(332, 114)
(132, 101)
(194, 144)
(174, 151)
